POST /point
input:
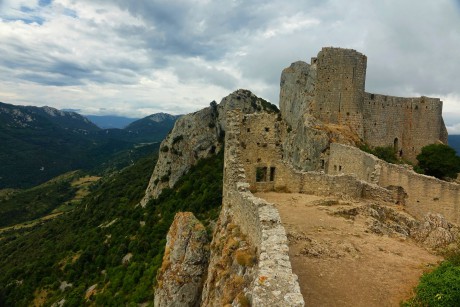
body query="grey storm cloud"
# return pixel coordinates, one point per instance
(160, 55)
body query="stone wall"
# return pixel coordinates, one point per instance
(274, 283)
(341, 75)
(403, 123)
(332, 90)
(424, 193)
(261, 156)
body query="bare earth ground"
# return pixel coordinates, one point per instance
(339, 261)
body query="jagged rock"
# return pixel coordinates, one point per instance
(305, 145)
(297, 91)
(195, 136)
(435, 231)
(232, 266)
(181, 277)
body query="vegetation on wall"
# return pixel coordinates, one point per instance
(387, 153)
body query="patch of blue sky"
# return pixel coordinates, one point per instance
(26, 19)
(26, 9)
(44, 2)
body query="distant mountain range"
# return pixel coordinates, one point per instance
(39, 143)
(454, 142)
(110, 121)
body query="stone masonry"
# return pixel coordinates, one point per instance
(334, 92)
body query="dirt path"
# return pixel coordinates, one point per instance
(339, 261)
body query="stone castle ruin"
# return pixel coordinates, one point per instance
(311, 147)
(332, 89)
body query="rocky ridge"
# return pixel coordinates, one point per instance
(198, 135)
(181, 277)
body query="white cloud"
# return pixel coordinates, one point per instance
(136, 57)
(454, 129)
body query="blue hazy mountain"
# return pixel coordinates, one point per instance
(111, 121)
(454, 142)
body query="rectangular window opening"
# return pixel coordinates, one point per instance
(261, 174)
(272, 173)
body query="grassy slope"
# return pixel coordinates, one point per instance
(86, 246)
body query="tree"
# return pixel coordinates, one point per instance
(439, 160)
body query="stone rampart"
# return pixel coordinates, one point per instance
(423, 193)
(274, 284)
(402, 123)
(261, 156)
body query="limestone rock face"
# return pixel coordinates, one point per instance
(435, 231)
(232, 266)
(181, 277)
(195, 136)
(305, 146)
(297, 91)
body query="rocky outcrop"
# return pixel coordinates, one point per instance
(297, 91)
(306, 145)
(435, 231)
(232, 266)
(198, 135)
(180, 279)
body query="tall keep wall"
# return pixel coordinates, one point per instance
(406, 123)
(341, 75)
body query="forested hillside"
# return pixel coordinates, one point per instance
(107, 251)
(38, 144)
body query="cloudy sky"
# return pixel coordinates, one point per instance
(135, 58)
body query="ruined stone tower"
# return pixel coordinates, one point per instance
(341, 75)
(334, 93)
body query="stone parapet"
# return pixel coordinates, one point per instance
(274, 284)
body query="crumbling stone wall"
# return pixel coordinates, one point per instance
(341, 75)
(274, 283)
(423, 194)
(408, 124)
(332, 89)
(261, 155)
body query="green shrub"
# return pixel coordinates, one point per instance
(439, 288)
(386, 153)
(439, 160)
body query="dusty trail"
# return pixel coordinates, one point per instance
(340, 261)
